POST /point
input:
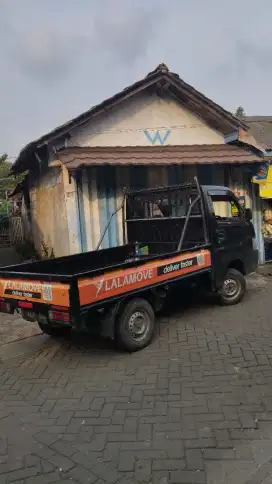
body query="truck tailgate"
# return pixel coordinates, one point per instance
(35, 291)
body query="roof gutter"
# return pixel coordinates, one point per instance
(232, 137)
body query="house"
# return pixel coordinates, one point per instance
(261, 128)
(157, 131)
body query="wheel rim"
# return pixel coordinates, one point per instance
(138, 325)
(231, 287)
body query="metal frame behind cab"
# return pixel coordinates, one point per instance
(193, 184)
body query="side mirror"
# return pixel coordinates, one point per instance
(248, 214)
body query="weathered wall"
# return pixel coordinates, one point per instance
(146, 120)
(27, 226)
(49, 219)
(70, 215)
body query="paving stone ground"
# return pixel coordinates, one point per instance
(194, 407)
(13, 328)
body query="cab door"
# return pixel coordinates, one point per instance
(231, 234)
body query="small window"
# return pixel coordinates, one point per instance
(225, 207)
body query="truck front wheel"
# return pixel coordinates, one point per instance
(233, 288)
(135, 325)
(54, 330)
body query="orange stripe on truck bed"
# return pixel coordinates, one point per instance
(35, 291)
(124, 280)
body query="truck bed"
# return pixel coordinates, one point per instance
(18, 283)
(70, 266)
(93, 263)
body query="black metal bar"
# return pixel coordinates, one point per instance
(159, 218)
(75, 303)
(206, 237)
(124, 210)
(186, 222)
(36, 276)
(163, 188)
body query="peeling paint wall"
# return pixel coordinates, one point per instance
(27, 226)
(49, 220)
(70, 215)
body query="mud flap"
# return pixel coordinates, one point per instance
(107, 322)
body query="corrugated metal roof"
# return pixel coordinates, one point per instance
(78, 157)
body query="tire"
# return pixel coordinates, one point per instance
(233, 289)
(129, 336)
(54, 330)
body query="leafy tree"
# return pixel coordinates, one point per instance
(7, 182)
(240, 111)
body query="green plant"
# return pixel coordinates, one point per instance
(7, 181)
(240, 111)
(5, 206)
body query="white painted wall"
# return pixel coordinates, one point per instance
(125, 125)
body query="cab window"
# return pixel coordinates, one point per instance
(225, 207)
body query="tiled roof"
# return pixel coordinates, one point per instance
(78, 157)
(261, 128)
(163, 82)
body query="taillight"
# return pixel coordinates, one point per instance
(25, 304)
(4, 306)
(64, 317)
(60, 308)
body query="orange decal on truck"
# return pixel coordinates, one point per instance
(117, 282)
(36, 291)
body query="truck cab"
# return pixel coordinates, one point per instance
(231, 233)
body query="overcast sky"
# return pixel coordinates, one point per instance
(59, 57)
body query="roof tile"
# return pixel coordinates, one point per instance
(261, 128)
(79, 157)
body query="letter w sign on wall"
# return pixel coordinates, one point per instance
(157, 136)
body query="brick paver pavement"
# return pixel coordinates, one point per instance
(194, 407)
(13, 328)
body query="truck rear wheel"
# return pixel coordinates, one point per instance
(233, 288)
(54, 330)
(135, 325)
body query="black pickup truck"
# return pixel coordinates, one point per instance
(173, 235)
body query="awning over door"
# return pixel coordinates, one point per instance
(79, 157)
